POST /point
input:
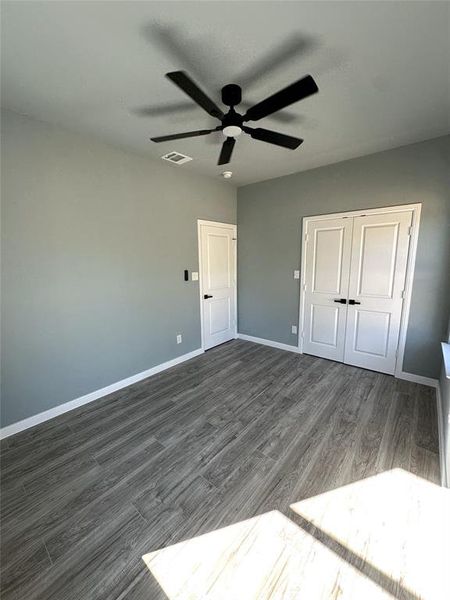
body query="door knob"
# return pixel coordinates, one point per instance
(353, 302)
(206, 296)
(341, 300)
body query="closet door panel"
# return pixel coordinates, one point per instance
(379, 257)
(327, 262)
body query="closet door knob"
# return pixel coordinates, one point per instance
(341, 300)
(353, 302)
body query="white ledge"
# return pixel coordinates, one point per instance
(446, 355)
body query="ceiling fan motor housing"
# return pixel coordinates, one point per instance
(231, 94)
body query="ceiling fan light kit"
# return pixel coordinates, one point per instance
(231, 131)
(232, 123)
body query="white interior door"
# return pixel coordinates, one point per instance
(354, 280)
(377, 280)
(217, 246)
(328, 248)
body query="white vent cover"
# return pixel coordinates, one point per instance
(176, 157)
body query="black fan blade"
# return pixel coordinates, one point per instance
(179, 136)
(293, 93)
(227, 149)
(183, 81)
(273, 137)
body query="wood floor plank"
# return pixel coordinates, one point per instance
(60, 473)
(78, 447)
(81, 572)
(238, 431)
(365, 453)
(33, 444)
(50, 514)
(336, 452)
(396, 446)
(18, 569)
(426, 435)
(425, 463)
(310, 399)
(228, 460)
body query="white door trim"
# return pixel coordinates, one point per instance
(232, 226)
(416, 212)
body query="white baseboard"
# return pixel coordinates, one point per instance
(257, 340)
(95, 395)
(442, 459)
(434, 383)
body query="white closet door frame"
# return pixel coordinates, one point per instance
(414, 235)
(232, 226)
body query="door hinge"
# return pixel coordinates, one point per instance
(306, 237)
(304, 287)
(402, 295)
(410, 229)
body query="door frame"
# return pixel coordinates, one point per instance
(232, 226)
(412, 251)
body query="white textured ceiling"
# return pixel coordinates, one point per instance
(98, 68)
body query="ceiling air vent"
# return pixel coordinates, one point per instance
(176, 157)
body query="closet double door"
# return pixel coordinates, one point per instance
(354, 287)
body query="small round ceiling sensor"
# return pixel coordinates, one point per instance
(227, 174)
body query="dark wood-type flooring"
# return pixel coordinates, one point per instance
(238, 431)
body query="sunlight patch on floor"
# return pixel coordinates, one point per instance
(397, 522)
(266, 557)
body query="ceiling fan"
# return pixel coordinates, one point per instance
(232, 123)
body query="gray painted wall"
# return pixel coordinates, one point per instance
(94, 243)
(269, 219)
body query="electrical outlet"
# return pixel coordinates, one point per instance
(296, 274)
(194, 276)
(179, 338)
(294, 329)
